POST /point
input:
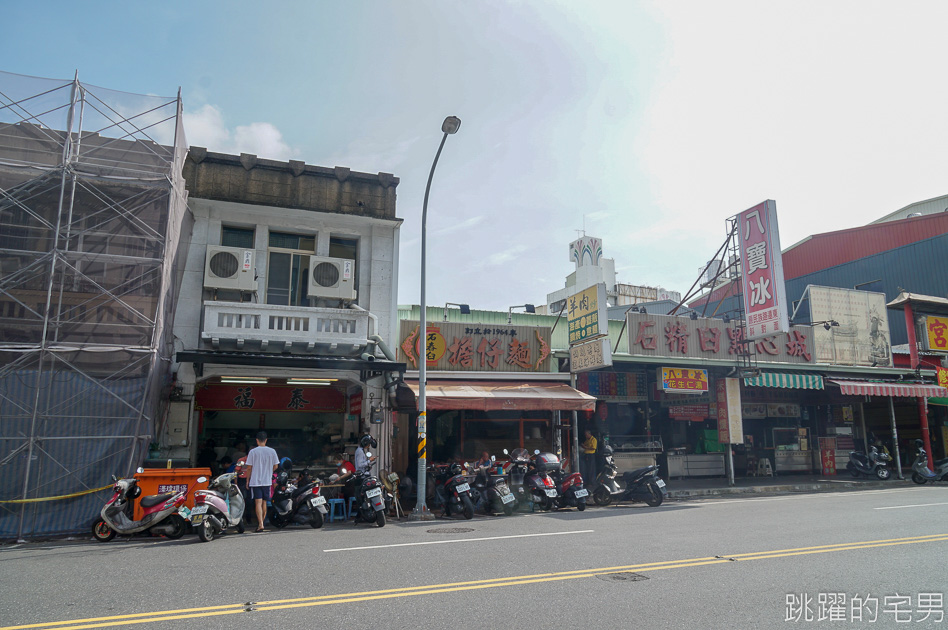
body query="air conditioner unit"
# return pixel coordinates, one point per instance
(229, 268)
(332, 278)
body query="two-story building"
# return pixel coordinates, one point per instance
(287, 307)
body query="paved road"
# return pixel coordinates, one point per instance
(726, 563)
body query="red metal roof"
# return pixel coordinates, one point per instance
(830, 249)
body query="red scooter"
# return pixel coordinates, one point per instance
(572, 492)
(161, 512)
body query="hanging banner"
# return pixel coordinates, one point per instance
(764, 293)
(730, 420)
(268, 398)
(683, 380)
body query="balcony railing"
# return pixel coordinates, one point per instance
(269, 327)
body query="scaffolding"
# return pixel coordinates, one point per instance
(92, 209)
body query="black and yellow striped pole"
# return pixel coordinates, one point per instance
(450, 125)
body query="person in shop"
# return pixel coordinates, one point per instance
(588, 458)
(485, 460)
(207, 458)
(237, 451)
(262, 462)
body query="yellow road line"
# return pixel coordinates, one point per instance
(322, 600)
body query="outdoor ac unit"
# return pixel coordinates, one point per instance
(332, 278)
(229, 268)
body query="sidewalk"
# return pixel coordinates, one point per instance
(690, 488)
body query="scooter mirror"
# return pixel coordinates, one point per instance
(536, 451)
(505, 452)
(201, 479)
(140, 470)
(493, 458)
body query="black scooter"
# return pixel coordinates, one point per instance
(516, 478)
(491, 493)
(456, 497)
(642, 484)
(873, 464)
(370, 503)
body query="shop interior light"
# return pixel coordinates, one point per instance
(311, 381)
(245, 380)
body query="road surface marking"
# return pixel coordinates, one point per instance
(343, 598)
(457, 540)
(899, 507)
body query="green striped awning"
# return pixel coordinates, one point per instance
(789, 381)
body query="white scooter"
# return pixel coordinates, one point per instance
(217, 508)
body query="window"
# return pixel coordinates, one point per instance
(347, 248)
(288, 268)
(237, 237)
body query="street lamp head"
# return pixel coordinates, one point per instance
(451, 124)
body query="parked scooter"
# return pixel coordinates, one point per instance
(456, 493)
(543, 489)
(162, 512)
(298, 502)
(920, 471)
(516, 470)
(873, 464)
(217, 508)
(641, 484)
(490, 493)
(570, 486)
(370, 504)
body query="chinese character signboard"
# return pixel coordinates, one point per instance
(765, 302)
(705, 338)
(941, 374)
(684, 380)
(464, 347)
(936, 334)
(586, 314)
(269, 398)
(856, 330)
(590, 355)
(613, 386)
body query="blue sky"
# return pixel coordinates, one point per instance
(649, 123)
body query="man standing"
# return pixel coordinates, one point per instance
(262, 462)
(588, 462)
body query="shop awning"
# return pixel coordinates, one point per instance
(504, 395)
(789, 381)
(908, 390)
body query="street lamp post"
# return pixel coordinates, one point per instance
(450, 125)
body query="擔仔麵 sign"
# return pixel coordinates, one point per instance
(683, 380)
(764, 294)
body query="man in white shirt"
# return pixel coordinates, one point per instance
(261, 463)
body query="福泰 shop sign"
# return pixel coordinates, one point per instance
(464, 347)
(707, 338)
(683, 380)
(223, 397)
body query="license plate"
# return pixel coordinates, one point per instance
(463, 487)
(375, 492)
(200, 509)
(551, 493)
(507, 498)
(197, 519)
(660, 483)
(582, 493)
(318, 501)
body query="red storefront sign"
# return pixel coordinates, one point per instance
(269, 398)
(765, 302)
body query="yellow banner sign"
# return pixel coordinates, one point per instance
(684, 381)
(937, 330)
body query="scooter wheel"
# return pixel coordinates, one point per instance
(917, 478)
(241, 528)
(883, 473)
(581, 505)
(508, 509)
(602, 496)
(852, 470)
(206, 530)
(316, 519)
(102, 532)
(178, 527)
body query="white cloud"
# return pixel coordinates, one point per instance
(206, 128)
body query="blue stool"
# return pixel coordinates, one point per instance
(333, 504)
(352, 500)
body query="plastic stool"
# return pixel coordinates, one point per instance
(352, 500)
(764, 468)
(341, 504)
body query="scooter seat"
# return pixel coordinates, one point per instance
(303, 489)
(155, 499)
(632, 474)
(941, 462)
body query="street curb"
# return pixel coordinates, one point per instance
(774, 489)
